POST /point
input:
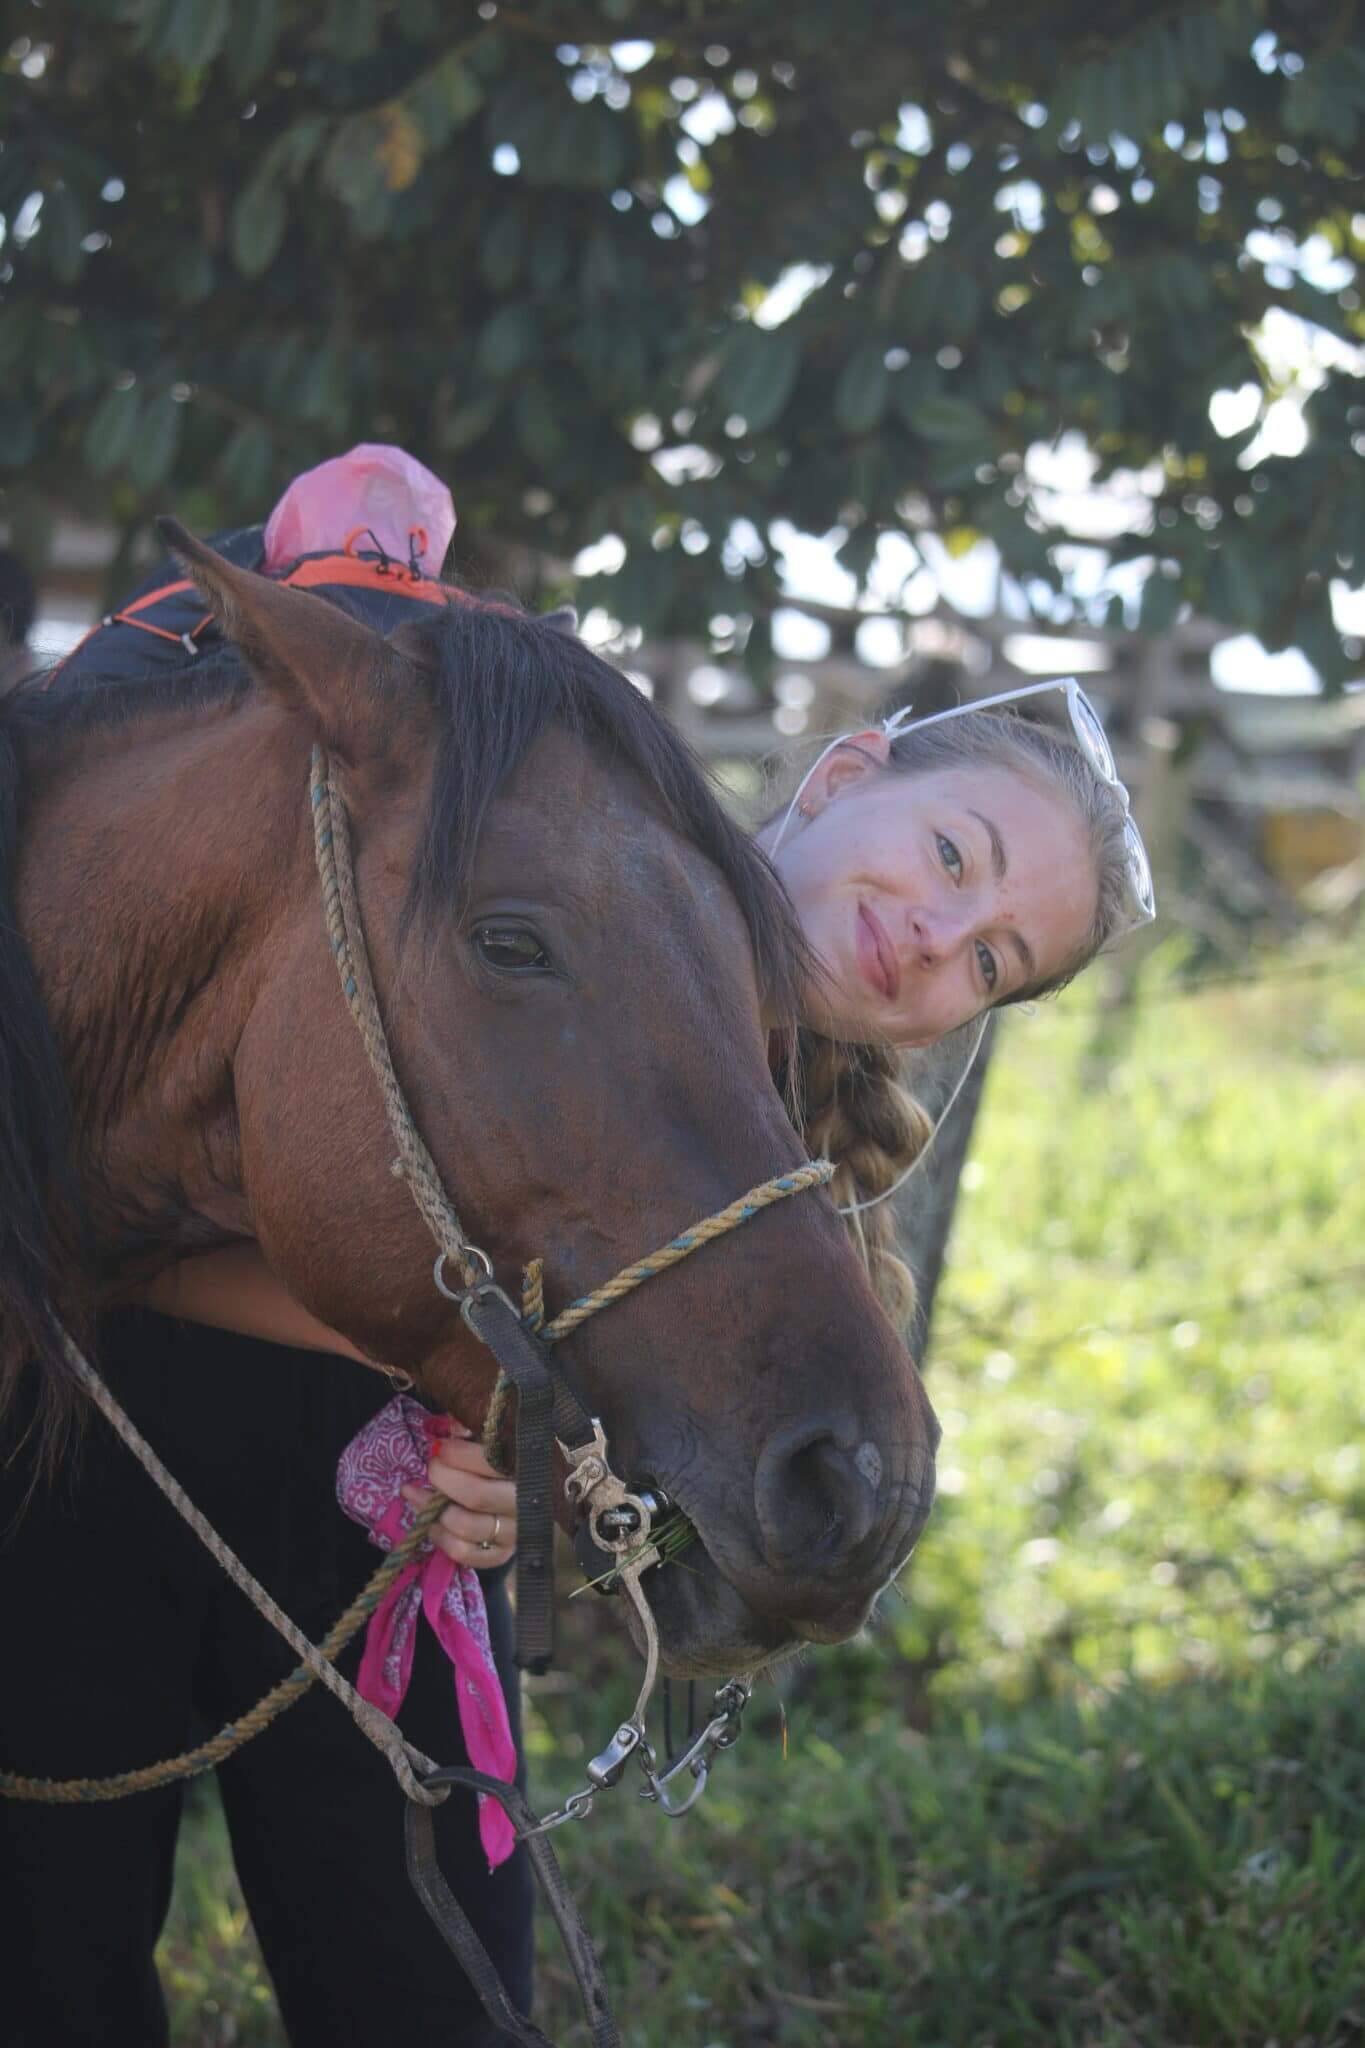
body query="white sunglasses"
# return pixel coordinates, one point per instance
(1094, 744)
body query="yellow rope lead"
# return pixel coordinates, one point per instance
(813, 1175)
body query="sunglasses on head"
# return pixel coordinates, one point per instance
(1093, 741)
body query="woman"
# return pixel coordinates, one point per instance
(940, 870)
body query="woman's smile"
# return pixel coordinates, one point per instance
(877, 960)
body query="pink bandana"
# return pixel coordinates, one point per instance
(394, 1449)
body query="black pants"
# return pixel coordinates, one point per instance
(121, 1642)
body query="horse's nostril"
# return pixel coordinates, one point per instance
(816, 1494)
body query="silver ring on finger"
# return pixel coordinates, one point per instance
(490, 1542)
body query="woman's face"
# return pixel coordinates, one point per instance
(929, 897)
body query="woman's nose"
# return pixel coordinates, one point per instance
(934, 936)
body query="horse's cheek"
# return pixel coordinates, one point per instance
(339, 1230)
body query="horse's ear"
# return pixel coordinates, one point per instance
(311, 654)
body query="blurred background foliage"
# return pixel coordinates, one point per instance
(666, 271)
(1096, 1776)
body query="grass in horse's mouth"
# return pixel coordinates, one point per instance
(670, 1536)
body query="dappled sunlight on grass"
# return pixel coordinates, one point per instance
(1147, 1347)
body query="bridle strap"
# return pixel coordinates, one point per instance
(453, 1924)
(547, 1408)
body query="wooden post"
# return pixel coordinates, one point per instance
(926, 1205)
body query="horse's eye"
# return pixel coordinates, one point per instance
(509, 949)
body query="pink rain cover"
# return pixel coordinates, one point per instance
(375, 487)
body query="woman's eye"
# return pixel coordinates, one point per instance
(990, 973)
(509, 948)
(951, 858)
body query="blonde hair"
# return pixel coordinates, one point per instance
(854, 1108)
(850, 1101)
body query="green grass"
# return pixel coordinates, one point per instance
(217, 1992)
(1152, 1393)
(1182, 1866)
(1096, 1777)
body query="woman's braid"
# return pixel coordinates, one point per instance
(855, 1110)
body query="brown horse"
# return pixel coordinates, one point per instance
(569, 941)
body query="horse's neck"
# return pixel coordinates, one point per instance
(147, 862)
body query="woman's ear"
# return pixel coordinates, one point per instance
(855, 758)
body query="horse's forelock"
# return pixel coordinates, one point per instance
(499, 680)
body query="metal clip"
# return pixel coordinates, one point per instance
(608, 1768)
(577, 1806)
(722, 1731)
(476, 1255)
(588, 1466)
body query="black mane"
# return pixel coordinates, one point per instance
(499, 678)
(42, 1233)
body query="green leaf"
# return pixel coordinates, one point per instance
(550, 251)
(353, 168)
(469, 422)
(420, 20)
(158, 441)
(949, 419)
(953, 466)
(1317, 638)
(18, 435)
(244, 466)
(444, 98)
(957, 301)
(508, 341)
(921, 379)
(113, 425)
(257, 226)
(502, 249)
(195, 32)
(148, 19)
(858, 552)
(1160, 603)
(601, 274)
(863, 389)
(611, 356)
(538, 430)
(290, 154)
(255, 31)
(189, 272)
(62, 226)
(759, 374)
(1235, 591)
(351, 30)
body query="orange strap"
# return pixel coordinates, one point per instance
(334, 570)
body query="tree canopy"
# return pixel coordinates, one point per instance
(673, 270)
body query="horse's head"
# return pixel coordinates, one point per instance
(569, 939)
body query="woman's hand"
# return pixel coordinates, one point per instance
(483, 1510)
